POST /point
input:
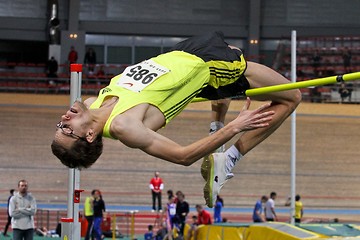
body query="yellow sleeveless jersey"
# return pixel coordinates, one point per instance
(298, 207)
(205, 68)
(187, 75)
(88, 209)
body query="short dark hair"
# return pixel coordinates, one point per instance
(12, 191)
(20, 181)
(82, 154)
(297, 197)
(272, 194)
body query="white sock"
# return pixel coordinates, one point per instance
(216, 126)
(232, 157)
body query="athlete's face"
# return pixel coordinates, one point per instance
(72, 125)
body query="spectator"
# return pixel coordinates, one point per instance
(99, 209)
(315, 95)
(89, 213)
(347, 60)
(316, 59)
(170, 193)
(270, 214)
(156, 185)
(73, 55)
(162, 232)
(182, 210)
(204, 216)
(52, 68)
(22, 209)
(299, 209)
(149, 235)
(328, 69)
(9, 218)
(177, 196)
(193, 227)
(219, 204)
(257, 214)
(44, 232)
(90, 59)
(170, 211)
(345, 92)
(100, 73)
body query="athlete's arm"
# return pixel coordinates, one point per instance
(135, 134)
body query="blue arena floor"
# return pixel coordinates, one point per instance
(333, 211)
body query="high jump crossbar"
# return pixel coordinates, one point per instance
(294, 85)
(303, 84)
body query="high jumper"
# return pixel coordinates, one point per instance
(148, 95)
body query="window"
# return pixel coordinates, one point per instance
(119, 55)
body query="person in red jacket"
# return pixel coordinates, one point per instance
(204, 217)
(156, 185)
(73, 55)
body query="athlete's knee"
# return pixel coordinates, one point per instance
(296, 97)
(290, 101)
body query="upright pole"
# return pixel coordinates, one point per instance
(132, 226)
(293, 131)
(74, 174)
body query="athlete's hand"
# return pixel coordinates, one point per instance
(252, 119)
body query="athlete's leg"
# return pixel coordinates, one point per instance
(219, 109)
(216, 169)
(283, 103)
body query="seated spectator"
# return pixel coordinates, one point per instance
(43, 232)
(315, 95)
(193, 226)
(203, 218)
(162, 232)
(149, 235)
(100, 72)
(345, 92)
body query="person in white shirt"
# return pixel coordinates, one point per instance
(270, 214)
(22, 209)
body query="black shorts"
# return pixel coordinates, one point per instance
(212, 47)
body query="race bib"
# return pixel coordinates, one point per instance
(172, 211)
(139, 76)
